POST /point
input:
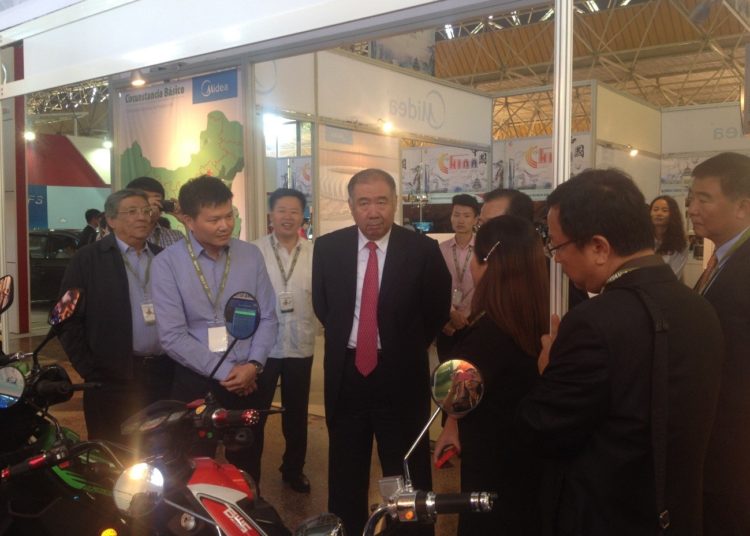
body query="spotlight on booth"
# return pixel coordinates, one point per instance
(633, 151)
(136, 78)
(385, 126)
(29, 135)
(107, 144)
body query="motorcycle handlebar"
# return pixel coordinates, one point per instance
(228, 418)
(49, 388)
(52, 456)
(428, 503)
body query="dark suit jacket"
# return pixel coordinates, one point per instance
(728, 460)
(591, 409)
(413, 304)
(87, 236)
(99, 337)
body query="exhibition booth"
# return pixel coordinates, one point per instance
(251, 109)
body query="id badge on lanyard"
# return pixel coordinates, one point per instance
(218, 339)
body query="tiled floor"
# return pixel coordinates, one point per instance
(293, 507)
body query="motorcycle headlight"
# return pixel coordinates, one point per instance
(138, 490)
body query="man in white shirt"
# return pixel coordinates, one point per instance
(288, 259)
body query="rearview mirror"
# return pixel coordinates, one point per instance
(457, 387)
(242, 315)
(65, 307)
(12, 384)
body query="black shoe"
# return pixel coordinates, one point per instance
(298, 483)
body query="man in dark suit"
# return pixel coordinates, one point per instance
(112, 336)
(720, 211)
(629, 383)
(88, 233)
(382, 293)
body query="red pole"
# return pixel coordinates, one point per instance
(22, 207)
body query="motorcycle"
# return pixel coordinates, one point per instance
(51, 482)
(457, 388)
(63, 485)
(198, 495)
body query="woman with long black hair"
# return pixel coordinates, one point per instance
(669, 233)
(510, 312)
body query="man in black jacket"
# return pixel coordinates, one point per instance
(382, 293)
(629, 383)
(720, 211)
(112, 336)
(88, 233)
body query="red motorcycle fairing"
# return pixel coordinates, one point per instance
(208, 471)
(229, 519)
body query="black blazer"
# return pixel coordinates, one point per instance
(728, 460)
(87, 236)
(591, 409)
(413, 304)
(98, 339)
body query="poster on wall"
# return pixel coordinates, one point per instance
(414, 50)
(295, 173)
(677, 172)
(526, 163)
(342, 154)
(443, 170)
(183, 129)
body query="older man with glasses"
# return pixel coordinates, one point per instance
(112, 337)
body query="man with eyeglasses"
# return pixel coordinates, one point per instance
(112, 337)
(629, 379)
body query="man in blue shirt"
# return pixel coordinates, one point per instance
(192, 283)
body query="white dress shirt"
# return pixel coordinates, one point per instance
(363, 255)
(296, 336)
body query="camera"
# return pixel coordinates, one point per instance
(167, 205)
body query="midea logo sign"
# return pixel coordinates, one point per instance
(430, 110)
(208, 89)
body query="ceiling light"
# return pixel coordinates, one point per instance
(29, 135)
(592, 6)
(551, 12)
(107, 144)
(514, 18)
(624, 3)
(136, 78)
(449, 31)
(386, 126)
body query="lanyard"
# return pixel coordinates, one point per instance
(202, 277)
(284, 276)
(460, 272)
(135, 273)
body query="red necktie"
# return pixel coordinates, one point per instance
(366, 358)
(707, 273)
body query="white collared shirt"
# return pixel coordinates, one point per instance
(296, 336)
(363, 255)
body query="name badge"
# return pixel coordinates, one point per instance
(458, 297)
(286, 302)
(217, 338)
(149, 314)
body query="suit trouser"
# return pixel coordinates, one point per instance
(295, 396)
(107, 407)
(189, 385)
(726, 515)
(364, 409)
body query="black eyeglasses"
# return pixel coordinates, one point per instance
(550, 249)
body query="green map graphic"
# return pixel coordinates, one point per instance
(220, 155)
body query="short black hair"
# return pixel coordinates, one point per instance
(604, 202)
(520, 204)
(369, 175)
(91, 214)
(466, 200)
(147, 184)
(286, 192)
(732, 170)
(203, 191)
